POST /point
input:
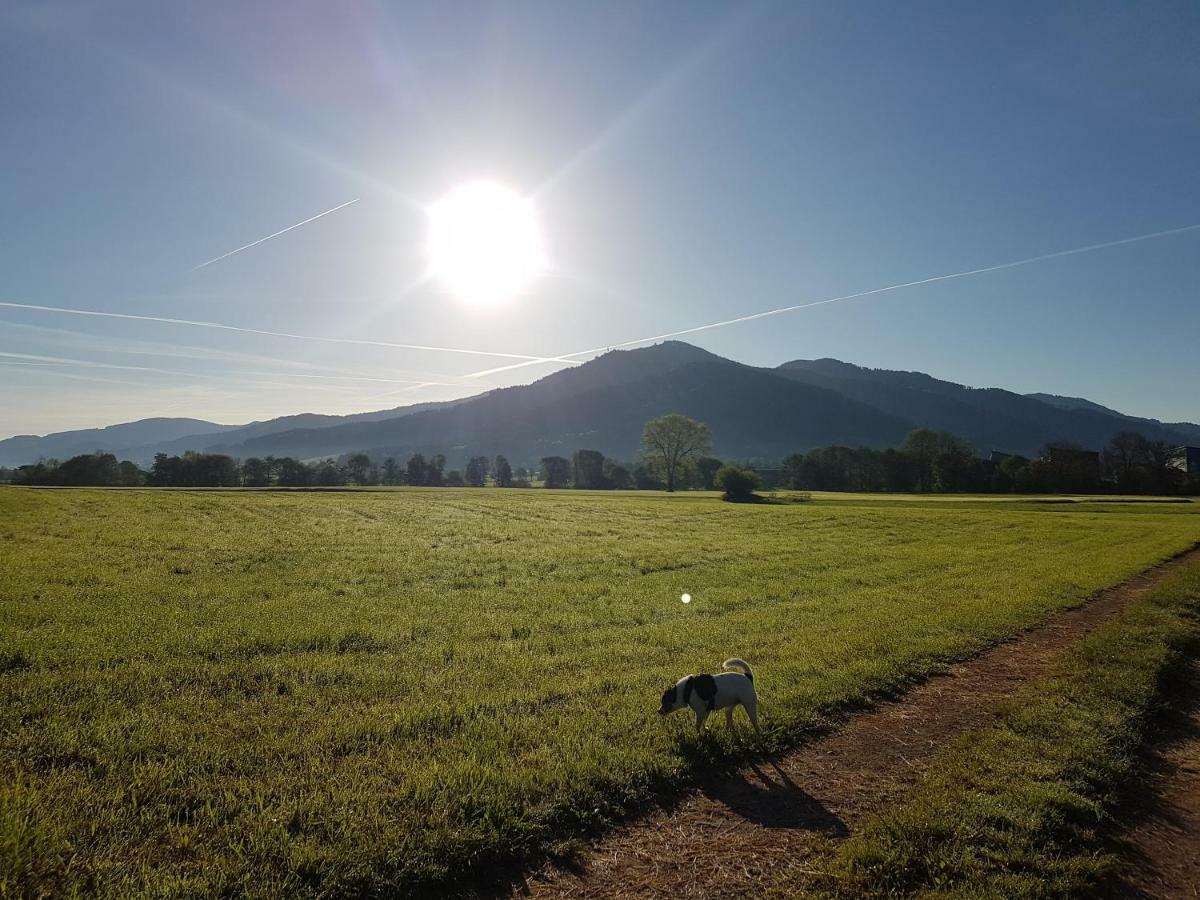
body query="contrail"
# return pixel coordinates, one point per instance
(131, 346)
(31, 359)
(880, 290)
(285, 334)
(276, 234)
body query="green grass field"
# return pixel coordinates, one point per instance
(375, 692)
(1024, 807)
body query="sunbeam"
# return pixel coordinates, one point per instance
(667, 84)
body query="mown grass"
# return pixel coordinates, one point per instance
(381, 693)
(1020, 810)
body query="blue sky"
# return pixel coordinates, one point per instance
(691, 162)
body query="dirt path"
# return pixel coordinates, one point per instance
(721, 840)
(1162, 847)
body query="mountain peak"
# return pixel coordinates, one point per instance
(673, 351)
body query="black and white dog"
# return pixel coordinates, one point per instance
(705, 693)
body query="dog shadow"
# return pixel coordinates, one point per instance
(773, 800)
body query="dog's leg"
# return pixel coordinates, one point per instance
(701, 715)
(752, 712)
(729, 717)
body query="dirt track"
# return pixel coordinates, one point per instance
(723, 839)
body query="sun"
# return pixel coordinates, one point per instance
(485, 243)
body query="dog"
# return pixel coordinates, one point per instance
(705, 693)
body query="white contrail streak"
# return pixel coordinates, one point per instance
(880, 290)
(285, 334)
(134, 347)
(37, 360)
(275, 235)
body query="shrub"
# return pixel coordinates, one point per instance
(738, 484)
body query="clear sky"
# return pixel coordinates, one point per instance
(690, 162)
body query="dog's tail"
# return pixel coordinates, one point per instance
(736, 663)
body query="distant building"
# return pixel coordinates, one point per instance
(1186, 460)
(998, 456)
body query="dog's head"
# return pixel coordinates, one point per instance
(670, 700)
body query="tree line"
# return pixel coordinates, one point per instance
(940, 462)
(675, 455)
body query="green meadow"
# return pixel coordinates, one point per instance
(392, 692)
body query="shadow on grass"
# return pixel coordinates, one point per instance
(1146, 806)
(771, 499)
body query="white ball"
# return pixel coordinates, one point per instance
(686, 598)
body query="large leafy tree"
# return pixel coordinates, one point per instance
(391, 471)
(477, 471)
(707, 468)
(358, 467)
(503, 472)
(668, 442)
(556, 472)
(255, 472)
(587, 467)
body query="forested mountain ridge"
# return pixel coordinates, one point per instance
(752, 413)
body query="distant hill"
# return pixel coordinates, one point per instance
(27, 448)
(990, 418)
(140, 440)
(1186, 429)
(222, 441)
(1060, 402)
(753, 414)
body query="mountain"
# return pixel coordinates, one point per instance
(603, 405)
(140, 440)
(990, 418)
(753, 414)
(25, 448)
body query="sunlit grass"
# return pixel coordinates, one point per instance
(1024, 808)
(350, 692)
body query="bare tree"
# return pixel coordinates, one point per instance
(670, 441)
(1126, 455)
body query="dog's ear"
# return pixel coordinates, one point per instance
(668, 697)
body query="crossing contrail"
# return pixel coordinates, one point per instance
(275, 235)
(284, 334)
(880, 290)
(32, 359)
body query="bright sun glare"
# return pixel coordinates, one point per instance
(485, 243)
